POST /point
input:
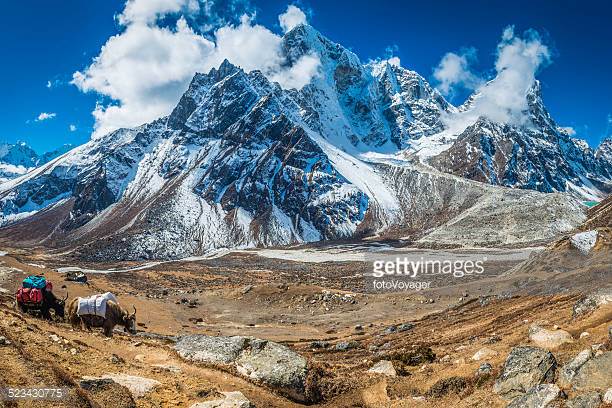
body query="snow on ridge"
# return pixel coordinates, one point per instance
(361, 175)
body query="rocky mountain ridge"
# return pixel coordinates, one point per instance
(241, 162)
(19, 158)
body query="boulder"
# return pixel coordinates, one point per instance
(383, 367)
(595, 374)
(525, 368)
(484, 369)
(233, 399)
(549, 339)
(261, 361)
(213, 350)
(587, 400)
(584, 241)
(138, 386)
(274, 365)
(483, 354)
(539, 396)
(569, 370)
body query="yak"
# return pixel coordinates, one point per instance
(115, 315)
(50, 301)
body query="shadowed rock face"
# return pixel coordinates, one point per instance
(537, 156)
(525, 368)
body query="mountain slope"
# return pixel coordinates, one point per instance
(17, 159)
(242, 162)
(537, 156)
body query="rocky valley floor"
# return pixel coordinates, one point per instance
(441, 347)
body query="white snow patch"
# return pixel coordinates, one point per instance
(362, 175)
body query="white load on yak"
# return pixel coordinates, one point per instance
(95, 305)
(101, 310)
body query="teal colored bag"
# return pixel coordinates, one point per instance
(35, 282)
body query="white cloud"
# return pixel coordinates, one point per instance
(454, 71)
(49, 84)
(395, 61)
(146, 68)
(504, 98)
(568, 130)
(72, 128)
(147, 11)
(45, 116)
(291, 18)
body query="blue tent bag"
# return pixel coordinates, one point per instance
(35, 282)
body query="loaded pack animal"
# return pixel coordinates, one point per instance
(49, 302)
(36, 296)
(115, 315)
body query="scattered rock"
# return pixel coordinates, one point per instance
(383, 367)
(246, 289)
(233, 399)
(261, 361)
(115, 359)
(547, 338)
(595, 374)
(92, 383)
(484, 353)
(346, 345)
(4, 341)
(569, 370)
(587, 400)
(525, 368)
(584, 335)
(493, 339)
(359, 328)
(55, 338)
(404, 327)
(539, 396)
(319, 344)
(484, 369)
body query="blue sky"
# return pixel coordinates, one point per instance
(43, 43)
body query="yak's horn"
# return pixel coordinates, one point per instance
(134, 309)
(66, 298)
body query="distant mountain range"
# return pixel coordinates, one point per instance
(19, 158)
(363, 150)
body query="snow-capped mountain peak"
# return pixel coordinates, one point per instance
(242, 162)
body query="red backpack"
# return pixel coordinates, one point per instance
(29, 296)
